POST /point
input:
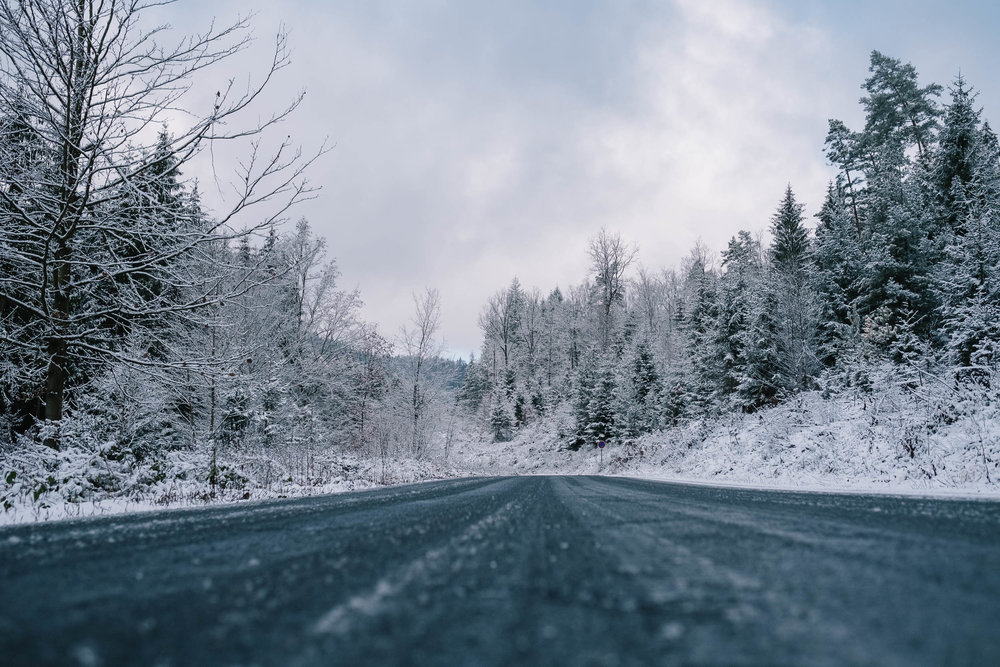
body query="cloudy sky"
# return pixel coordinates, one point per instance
(478, 141)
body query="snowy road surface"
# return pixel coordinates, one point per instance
(513, 571)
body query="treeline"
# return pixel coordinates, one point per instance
(134, 319)
(901, 268)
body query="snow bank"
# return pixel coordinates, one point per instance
(921, 437)
(905, 438)
(40, 484)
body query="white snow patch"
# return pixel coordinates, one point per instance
(898, 442)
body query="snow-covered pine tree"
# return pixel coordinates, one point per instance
(898, 110)
(955, 160)
(704, 369)
(969, 276)
(796, 314)
(900, 216)
(790, 239)
(603, 411)
(475, 386)
(639, 411)
(839, 262)
(501, 418)
(743, 270)
(761, 382)
(843, 149)
(553, 343)
(585, 389)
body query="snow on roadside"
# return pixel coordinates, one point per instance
(66, 484)
(898, 440)
(882, 443)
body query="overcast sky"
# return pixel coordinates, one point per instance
(478, 141)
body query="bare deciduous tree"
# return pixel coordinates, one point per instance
(96, 243)
(501, 321)
(373, 381)
(420, 346)
(610, 258)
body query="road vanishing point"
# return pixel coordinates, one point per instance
(513, 571)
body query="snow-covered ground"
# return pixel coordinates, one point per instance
(84, 483)
(901, 439)
(896, 441)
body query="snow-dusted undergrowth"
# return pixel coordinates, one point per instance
(922, 435)
(96, 479)
(889, 442)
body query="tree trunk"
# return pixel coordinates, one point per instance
(854, 203)
(64, 228)
(415, 446)
(55, 386)
(56, 372)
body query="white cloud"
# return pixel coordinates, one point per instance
(717, 113)
(727, 117)
(471, 148)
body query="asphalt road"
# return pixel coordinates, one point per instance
(513, 571)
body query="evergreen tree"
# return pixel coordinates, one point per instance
(839, 262)
(902, 227)
(602, 412)
(760, 380)
(742, 265)
(584, 393)
(476, 385)
(843, 148)
(956, 157)
(501, 419)
(969, 276)
(790, 245)
(899, 110)
(704, 373)
(900, 257)
(796, 305)
(639, 411)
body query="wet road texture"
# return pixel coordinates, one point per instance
(513, 571)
